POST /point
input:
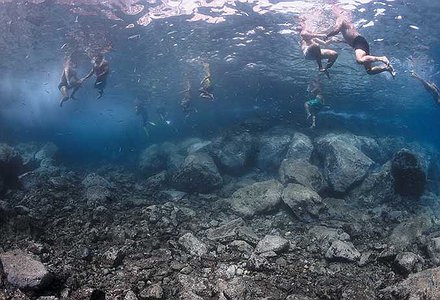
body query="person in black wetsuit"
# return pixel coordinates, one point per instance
(142, 111)
(101, 69)
(360, 45)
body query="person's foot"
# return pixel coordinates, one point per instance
(325, 71)
(386, 61)
(392, 71)
(99, 95)
(63, 100)
(308, 116)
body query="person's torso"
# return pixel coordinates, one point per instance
(99, 69)
(349, 33)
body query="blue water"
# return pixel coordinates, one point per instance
(255, 61)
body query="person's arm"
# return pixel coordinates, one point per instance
(335, 29)
(204, 79)
(310, 35)
(88, 75)
(327, 42)
(105, 70)
(426, 84)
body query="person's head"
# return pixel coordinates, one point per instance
(97, 58)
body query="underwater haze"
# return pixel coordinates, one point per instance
(209, 156)
(253, 51)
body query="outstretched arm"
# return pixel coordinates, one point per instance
(335, 29)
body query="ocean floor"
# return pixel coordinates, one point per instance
(250, 214)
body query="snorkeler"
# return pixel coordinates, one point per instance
(429, 86)
(101, 70)
(310, 45)
(314, 106)
(185, 103)
(360, 45)
(69, 81)
(206, 85)
(142, 111)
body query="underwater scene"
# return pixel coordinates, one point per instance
(219, 149)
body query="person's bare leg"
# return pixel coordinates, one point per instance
(65, 94)
(366, 60)
(308, 114)
(331, 57)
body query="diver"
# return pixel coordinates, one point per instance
(69, 81)
(206, 85)
(101, 69)
(185, 103)
(142, 111)
(314, 105)
(310, 45)
(429, 86)
(360, 45)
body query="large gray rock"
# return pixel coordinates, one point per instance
(256, 198)
(153, 160)
(301, 147)
(272, 243)
(198, 173)
(302, 172)
(93, 179)
(424, 285)
(273, 149)
(409, 176)
(325, 236)
(409, 231)
(376, 189)
(303, 201)
(23, 271)
(234, 152)
(48, 151)
(193, 245)
(342, 251)
(433, 250)
(11, 165)
(232, 230)
(408, 262)
(27, 152)
(344, 164)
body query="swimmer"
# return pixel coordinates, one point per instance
(314, 106)
(360, 45)
(429, 86)
(206, 85)
(310, 45)
(101, 70)
(142, 111)
(69, 81)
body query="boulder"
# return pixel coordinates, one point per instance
(153, 160)
(48, 151)
(407, 171)
(344, 164)
(193, 245)
(376, 189)
(93, 179)
(342, 251)
(272, 243)
(198, 173)
(234, 152)
(235, 288)
(23, 271)
(303, 202)
(433, 250)
(301, 147)
(97, 195)
(302, 172)
(154, 291)
(409, 231)
(233, 230)
(418, 286)
(202, 146)
(27, 152)
(408, 262)
(273, 149)
(256, 198)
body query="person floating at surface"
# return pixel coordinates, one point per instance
(206, 85)
(142, 111)
(310, 45)
(69, 81)
(101, 69)
(360, 45)
(429, 86)
(314, 106)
